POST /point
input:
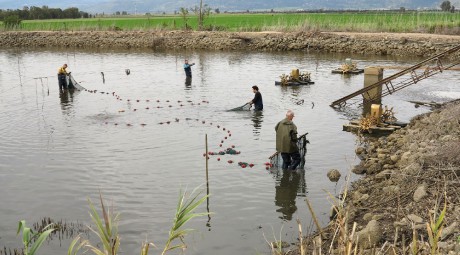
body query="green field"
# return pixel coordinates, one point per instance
(426, 22)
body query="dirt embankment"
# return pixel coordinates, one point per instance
(361, 43)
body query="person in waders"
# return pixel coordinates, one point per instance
(62, 73)
(257, 100)
(286, 142)
(188, 69)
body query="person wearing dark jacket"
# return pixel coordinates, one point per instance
(188, 69)
(286, 142)
(257, 101)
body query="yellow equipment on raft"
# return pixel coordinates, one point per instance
(295, 73)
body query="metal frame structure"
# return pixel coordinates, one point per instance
(390, 86)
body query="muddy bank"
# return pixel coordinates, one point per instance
(409, 176)
(361, 43)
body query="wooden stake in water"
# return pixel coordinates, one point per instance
(206, 157)
(19, 70)
(207, 181)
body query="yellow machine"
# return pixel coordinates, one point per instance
(295, 74)
(376, 112)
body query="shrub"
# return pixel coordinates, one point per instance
(12, 21)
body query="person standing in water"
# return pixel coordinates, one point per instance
(286, 142)
(257, 100)
(62, 73)
(188, 69)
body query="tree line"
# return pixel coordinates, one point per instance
(14, 17)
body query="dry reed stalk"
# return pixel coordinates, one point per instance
(302, 251)
(313, 215)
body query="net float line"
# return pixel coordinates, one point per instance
(119, 98)
(176, 120)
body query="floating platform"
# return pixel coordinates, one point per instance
(381, 129)
(340, 71)
(294, 83)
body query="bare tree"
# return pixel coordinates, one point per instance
(202, 12)
(184, 14)
(200, 20)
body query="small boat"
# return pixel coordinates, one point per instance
(294, 83)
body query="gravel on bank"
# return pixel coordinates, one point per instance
(409, 176)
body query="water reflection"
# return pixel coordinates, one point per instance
(289, 184)
(188, 83)
(66, 98)
(257, 119)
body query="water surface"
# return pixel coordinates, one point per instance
(57, 151)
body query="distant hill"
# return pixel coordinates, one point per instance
(169, 6)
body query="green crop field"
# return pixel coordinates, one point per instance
(427, 22)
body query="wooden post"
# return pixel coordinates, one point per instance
(373, 96)
(206, 157)
(207, 181)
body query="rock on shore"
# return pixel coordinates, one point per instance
(361, 43)
(410, 175)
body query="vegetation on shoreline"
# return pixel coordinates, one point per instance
(399, 22)
(106, 227)
(107, 239)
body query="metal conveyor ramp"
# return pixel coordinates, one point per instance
(430, 67)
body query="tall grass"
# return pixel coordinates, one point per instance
(184, 213)
(106, 230)
(428, 22)
(435, 227)
(30, 240)
(106, 227)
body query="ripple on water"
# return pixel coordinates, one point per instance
(67, 148)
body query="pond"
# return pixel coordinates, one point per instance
(58, 150)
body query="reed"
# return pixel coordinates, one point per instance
(106, 227)
(74, 248)
(435, 227)
(185, 211)
(106, 230)
(276, 246)
(32, 241)
(302, 245)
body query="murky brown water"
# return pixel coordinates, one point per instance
(56, 151)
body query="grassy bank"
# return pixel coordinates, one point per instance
(425, 22)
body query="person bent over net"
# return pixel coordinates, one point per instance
(286, 142)
(62, 73)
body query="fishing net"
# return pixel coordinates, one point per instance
(73, 84)
(302, 141)
(245, 107)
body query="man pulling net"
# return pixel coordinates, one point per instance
(291, 148)
(256, 101)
